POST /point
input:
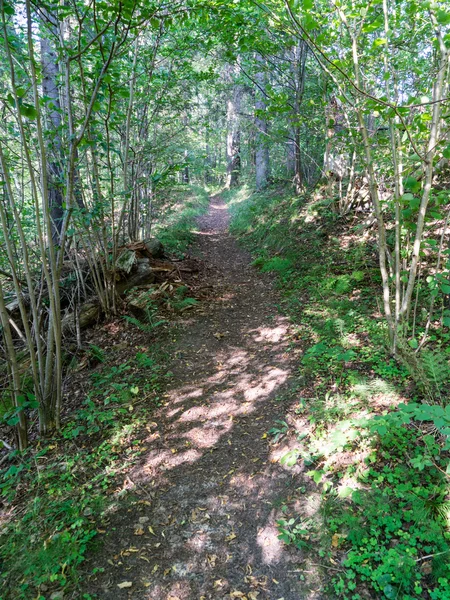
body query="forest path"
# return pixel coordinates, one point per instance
(209, 486)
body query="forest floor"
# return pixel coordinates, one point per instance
(207, 493)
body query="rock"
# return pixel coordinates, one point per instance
(57, 595)
(143, 274)
(139, 303)
(155, 247)
(126, 260)
(144, 519)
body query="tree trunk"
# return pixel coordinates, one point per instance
(262, 147)
(300, 54)
(233, 133)
(186, 178)
(53, 117)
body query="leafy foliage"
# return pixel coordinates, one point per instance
(383, 520)
(62, 487)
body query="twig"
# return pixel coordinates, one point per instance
(325, 567)
(431, 555)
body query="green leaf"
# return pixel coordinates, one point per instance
(8, 10)
(309, 23)
(411, 184)
(445, 288)
(379, 42)
(28, 111)
(316, 475)
(290, 459)
(443, 17)
(446, 152)
(345, 492)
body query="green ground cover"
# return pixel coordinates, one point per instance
(374, 434)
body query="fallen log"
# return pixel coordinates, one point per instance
(88, 314)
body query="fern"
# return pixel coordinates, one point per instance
(437, 370)
(431, 372)
(146, 327)
(183, 304)
(276, 264)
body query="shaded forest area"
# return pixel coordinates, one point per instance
(324, 125)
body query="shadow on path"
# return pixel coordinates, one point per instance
(209, 488)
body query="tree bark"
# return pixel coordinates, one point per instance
(262, 147)
(300, 54)
(50, 91)
(233, 132)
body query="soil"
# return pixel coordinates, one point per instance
(208, 493)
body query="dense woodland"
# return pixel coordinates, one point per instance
(325, 126)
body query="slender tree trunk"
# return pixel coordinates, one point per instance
(186, 178)
(299, 65)
(290, 156)
(262, 147)
(13, 369)
(233, 133)
(50, 91)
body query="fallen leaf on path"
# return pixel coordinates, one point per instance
(139, 531)
(212, 559)
(230, 537)
(124, 584)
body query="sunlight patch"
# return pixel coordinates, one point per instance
(271, 546)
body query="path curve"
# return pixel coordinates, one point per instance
(210, 490)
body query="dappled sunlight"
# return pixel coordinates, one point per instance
(221, 407)
(271, 547)
(207, 437)
(205, 233)
(271, 382)
(166, 459)
(271, 334)
(209, 481)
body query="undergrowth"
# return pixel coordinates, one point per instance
(60, 490)
(179, 217)
(377, 454)
(56, 493)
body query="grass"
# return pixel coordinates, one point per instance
(179, 214)
(377, 457)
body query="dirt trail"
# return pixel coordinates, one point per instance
(208, 486)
